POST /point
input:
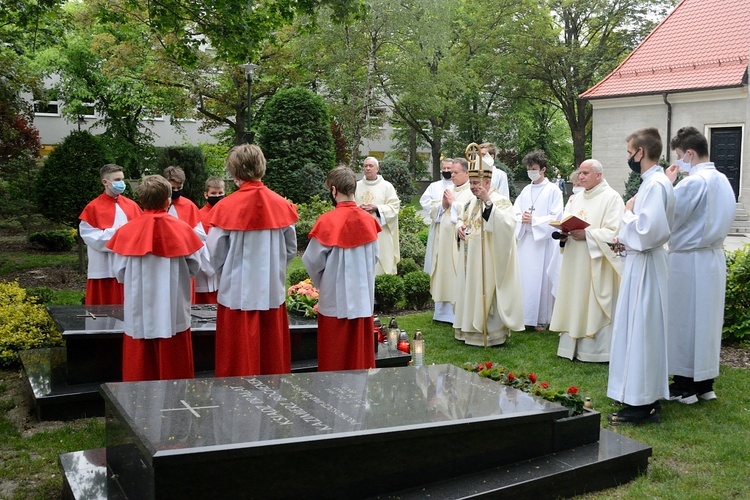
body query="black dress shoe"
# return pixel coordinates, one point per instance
(635, 415)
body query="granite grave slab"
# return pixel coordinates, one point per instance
(347, 434)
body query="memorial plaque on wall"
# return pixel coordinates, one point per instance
(346, 434)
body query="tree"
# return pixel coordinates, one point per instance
(569, 46)
(69, 178)
(190, 159)
(295, 132)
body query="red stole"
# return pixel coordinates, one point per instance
(155, 232)
(346, 226)
(204, 214)
(100, 212)
(187, 211)
(253, 207)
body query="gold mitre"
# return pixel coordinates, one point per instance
(477, 168)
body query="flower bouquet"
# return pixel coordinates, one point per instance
(570, 398)
(302, 298)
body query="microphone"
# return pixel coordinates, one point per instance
(557, 235)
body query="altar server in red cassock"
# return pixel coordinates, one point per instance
(340, 260)
(252, 240)
(99, 221)
(155, 256)
(206, 287)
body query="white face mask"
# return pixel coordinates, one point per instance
(577, 189)
(534, 175)
(487, 160)
(684, 166)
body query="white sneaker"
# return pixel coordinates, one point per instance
(708, 396)
(688, 399)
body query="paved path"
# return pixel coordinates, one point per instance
(735, 242)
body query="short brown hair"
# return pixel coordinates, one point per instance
(246, 162)
(536, 157)
(343, 178)
(648, 139)
(491, 149)
(690, 138)
(153, 192)
(463, 162)
(109, 168)
(174, 174)
(214, 182)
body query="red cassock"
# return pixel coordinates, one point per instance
(345, 343)
(100, 214)
(252, 342)
(158, 356)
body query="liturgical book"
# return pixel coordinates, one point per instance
(569, 223)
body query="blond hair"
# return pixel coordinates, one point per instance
(153, 192)
(246, 162)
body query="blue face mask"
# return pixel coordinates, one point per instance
(118, 187)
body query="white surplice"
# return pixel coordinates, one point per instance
(590, 278)
(638, 359)
(536, 248)
(251, 266)
(499, 181)
(380, 192)
(432, 202)
(704, 212)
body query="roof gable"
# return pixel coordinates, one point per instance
(700, 45)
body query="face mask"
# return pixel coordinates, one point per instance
(577, 189)
(635, 166)
(446, 175)
(684, 165)
(534, 175)
(118, 187)
(488, 161)
(213, 200)
(176, 193)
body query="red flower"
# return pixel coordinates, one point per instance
(488, 364)
(511, 377)
(480, 367)
(532, 378)
(572, 390)
(545, 385)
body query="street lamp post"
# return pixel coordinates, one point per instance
(250, 69)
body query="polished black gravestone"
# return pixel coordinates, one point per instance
(352, 434)
(64, 382)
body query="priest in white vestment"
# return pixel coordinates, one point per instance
(378, 197)
(445, 256)
(538, 204)
(489, 304)
(431, 200)
(704, 212)
(638, 359)
(590, 274)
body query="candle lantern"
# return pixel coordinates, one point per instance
(393, 333)
(376, 332)
(403, 342)
(418, 348)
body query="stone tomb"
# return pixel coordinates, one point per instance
(349, 434)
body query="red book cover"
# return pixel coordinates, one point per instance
(569, 223)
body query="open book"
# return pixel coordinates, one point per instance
(569, 223)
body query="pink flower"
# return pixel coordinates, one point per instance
(480, 367)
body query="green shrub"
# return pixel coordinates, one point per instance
(56, 240)
(69, 178)
(24, 324)
(389, 291)
(406, 266)
(40, 294)
(412, 248)
(297, 275)
(737, 304)
(308, 214)
(409, 220)
(417, 289)
(424, 234)
(215, 158)
(294, 131)
(191, 160)
(397, 173)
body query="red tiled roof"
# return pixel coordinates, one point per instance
(702, 44)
